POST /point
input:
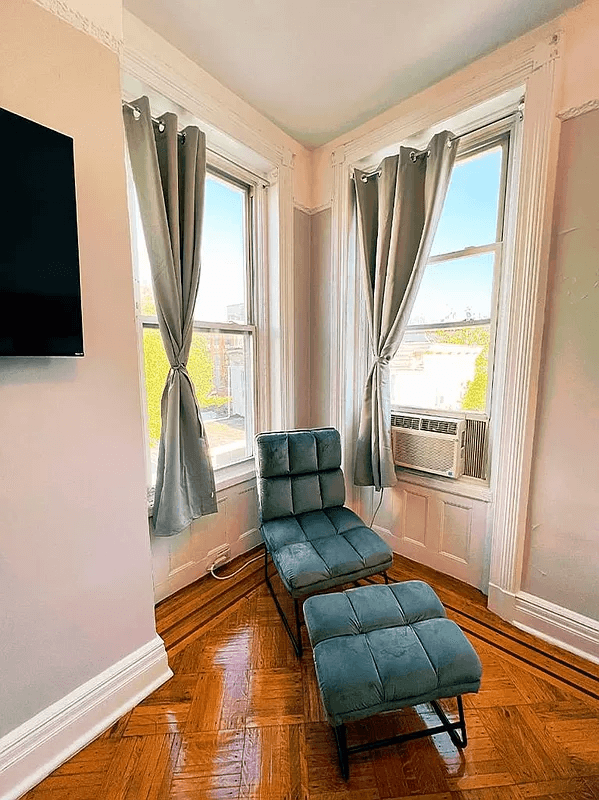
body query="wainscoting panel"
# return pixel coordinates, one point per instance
(180, 560)
(443, 530)
(456, 527)
(415, 518)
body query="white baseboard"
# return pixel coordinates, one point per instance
(552, 623)
(557, 625)
(37, 747)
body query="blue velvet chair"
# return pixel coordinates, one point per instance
(314, 541)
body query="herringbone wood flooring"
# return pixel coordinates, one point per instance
(241, 718)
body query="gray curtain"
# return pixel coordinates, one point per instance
(398, 210)
(169, 171)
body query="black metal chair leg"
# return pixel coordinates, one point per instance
(296, 641)
(298, 621)
(341, 739)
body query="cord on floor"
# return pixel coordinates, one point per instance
(237, 571)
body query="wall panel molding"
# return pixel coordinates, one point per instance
(578, 111)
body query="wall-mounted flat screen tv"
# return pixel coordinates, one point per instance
(40, 290)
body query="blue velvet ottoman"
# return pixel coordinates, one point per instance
(381, 648)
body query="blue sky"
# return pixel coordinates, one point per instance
(222, 275)
(461, 288)
(223, 258)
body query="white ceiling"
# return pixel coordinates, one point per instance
(320, 67)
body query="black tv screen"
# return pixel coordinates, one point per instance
(40, 290)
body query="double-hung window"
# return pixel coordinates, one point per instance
(445, 360)
(222, 356)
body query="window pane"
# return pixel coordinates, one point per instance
(218, 365)
(222, 292)
(455, 291)
(444, 369)
(469, 215)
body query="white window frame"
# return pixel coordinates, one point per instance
(501, 133)
(530, 68)
(257, 360)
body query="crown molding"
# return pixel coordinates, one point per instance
(149, 58)
(77, 20)
(578, 111)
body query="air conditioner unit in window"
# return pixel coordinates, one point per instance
(430, 444)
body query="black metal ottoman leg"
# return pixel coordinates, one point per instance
(462, 722)
(341, 739)
(386, 576)
(298, 627)
(459, 739)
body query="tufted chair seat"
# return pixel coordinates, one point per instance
(314, 550)
(315, 542)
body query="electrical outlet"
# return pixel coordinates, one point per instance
(217, 556)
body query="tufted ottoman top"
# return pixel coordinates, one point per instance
(379, 648)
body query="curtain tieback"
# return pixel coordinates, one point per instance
(179, 367)
(379, 361)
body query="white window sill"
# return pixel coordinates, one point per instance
(462, 487)
(224, 478)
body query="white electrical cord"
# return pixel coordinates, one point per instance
(377, 508)
(233, 574)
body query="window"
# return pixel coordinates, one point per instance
(221, 360)
(445, 359)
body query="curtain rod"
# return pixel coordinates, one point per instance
(160, 123)
(137, 115)
(415, 154)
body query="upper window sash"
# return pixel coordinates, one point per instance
(494, 247)
(456, 323)
(224, 327)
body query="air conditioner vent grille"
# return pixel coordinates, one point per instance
(439, 426)
(398, 421)
(433, 455)
(475, 462)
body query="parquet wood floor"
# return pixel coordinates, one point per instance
(241, 718)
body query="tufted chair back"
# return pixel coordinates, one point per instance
(298, 471)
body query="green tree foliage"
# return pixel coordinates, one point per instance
(200, 368)
(475, 395)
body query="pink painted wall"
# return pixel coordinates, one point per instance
(562, 549)
(75, 569)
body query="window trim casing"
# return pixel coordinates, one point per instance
(532, 66)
